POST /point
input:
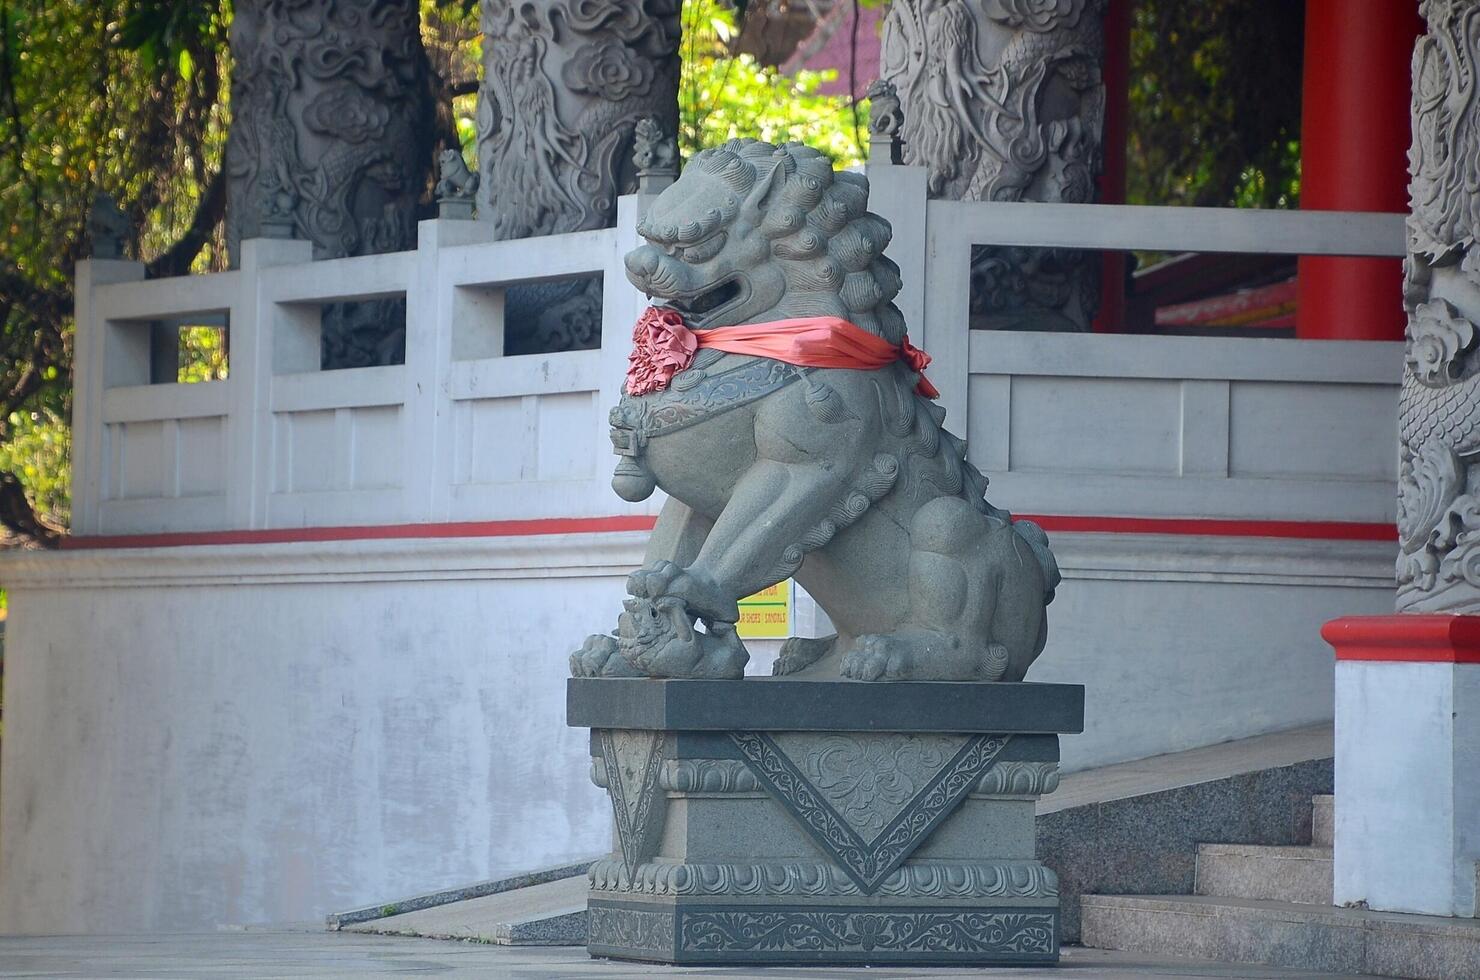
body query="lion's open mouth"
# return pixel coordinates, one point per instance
(709, 304)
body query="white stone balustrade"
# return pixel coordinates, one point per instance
(1063, 423)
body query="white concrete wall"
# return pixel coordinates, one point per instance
(267, 733)
(1407, 786)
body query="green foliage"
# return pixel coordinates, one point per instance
(1215, 103)
(122, 96)
(202, 354)
(723, 95)
(38, 450)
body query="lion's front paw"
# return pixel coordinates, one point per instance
(700, 593)
(878, 656)
(600, 656)
(659, 639)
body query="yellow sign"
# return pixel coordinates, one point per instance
(767, 614)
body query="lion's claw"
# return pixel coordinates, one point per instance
(599, 656)
(877, 657)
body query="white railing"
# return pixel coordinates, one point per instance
(1066, 424)
(456, 433)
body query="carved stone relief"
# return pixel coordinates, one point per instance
(565, 85)
(1003, 101)
(330, 115)
(873, 798)
(967, 880)
(632, 760)
(1439, 407)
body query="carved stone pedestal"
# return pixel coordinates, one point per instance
(792, 821)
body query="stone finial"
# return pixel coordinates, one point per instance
(655, 154)
(885, 120)
(456, 187)
(107, 228)
(276, 204)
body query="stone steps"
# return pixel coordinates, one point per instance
(1264, 872)
(1323, 820)
(1310, 937)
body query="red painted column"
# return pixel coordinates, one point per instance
(1115, 74)
(1354, 137)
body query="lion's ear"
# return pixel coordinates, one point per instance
(763, 193)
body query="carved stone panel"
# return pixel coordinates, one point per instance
(1003, 101)
(869, 800)
(1439, 407)
(330, 138)
(565, 84)
(632, 760)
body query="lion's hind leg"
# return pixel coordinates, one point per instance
(976, 603)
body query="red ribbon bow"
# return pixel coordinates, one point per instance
(663, 345)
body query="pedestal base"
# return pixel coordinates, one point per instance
(846, 823)
(1407, 762)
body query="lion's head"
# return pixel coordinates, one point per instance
(753, 232)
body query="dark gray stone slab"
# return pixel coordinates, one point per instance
(786, 704)
(339, 920)
(1147, 844)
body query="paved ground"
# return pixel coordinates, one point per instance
(271, 954)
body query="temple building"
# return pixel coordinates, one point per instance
(304, 652)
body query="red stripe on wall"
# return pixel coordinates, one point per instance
(1311, 530)
(370, 532)
(1308, 530)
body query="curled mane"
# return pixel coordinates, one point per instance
(819, 226)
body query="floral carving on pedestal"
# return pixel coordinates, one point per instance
(1439, 407)
(923, 779)
(1003, 101)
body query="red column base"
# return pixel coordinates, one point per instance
(1416, 638)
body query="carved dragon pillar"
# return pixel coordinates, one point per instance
(1407, 686)
(1003, 101)
(1439, 409)
(565, 84)
(330, 107)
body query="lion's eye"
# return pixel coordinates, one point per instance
(705, 250)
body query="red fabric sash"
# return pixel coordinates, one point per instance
(663, 345)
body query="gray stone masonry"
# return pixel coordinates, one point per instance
(1134, 828)
(829, 827)
(1264, 871)
(1335, 940)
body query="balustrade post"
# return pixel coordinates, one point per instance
(90, 354)
(254, 344)
(427, 417)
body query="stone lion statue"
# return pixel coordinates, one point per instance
(841, 477)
